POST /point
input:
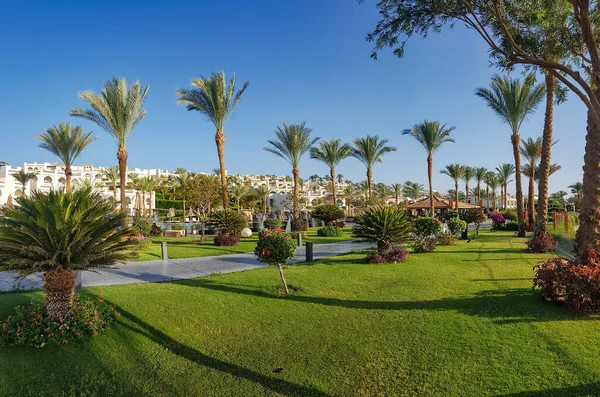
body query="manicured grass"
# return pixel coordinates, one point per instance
(461, 321)
(192, 247)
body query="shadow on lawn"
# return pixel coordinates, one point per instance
(505, 306)
(274, 384)
(592, 389)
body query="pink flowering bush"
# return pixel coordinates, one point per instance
(498, 221)
(275, 247)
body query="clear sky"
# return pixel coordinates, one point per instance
(305, 60)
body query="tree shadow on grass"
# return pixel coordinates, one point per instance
(504, 306)
(274, 384)
(591, 389)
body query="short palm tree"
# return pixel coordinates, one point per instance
(577, 190)
(513, 101)
(24, 178)
(413, 190)
(456, 172)
(491, 181)
(293, 141)
(468, 174)
(111, 175)
(384, 226)
(263, 193)
(58, 232)
(147, 184)
(217, 100)
(479, 177)
(397, 190)
(531, 150)
(66, 142)
(331, 153)
(350, 194)
(505, 171)
(181, 182)
(369, 151)
(117, 110)
(431, 135)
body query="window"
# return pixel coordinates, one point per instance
(47, 179)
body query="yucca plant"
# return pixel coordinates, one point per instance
(226, 222)
(58, 232)
(384, 226)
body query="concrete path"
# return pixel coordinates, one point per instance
(174, 269)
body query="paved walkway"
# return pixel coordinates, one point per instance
(175, 269)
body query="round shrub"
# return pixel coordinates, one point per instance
(446, 239)
(510, 215)
(426, 226)
(273, 223)
(423, 244)
(141, 241)
(226, 222)
(329, 231)
(226, 240)
(328, 213)
(396, 255)
(142, 226)
(542, 243)
(275, 248)
(299, 225)
(456, 225)
(512, 226)
(498, 221)
(384, 226)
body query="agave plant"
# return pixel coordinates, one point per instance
(384, 226)
(58, 232)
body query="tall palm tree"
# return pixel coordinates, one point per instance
(111, 175)
(66, 142)
(490, 178)
(181, 181)
(293, 141)
(117, 110)
(431, 135)
(263, 192)
(479, 177)
(331, 153)
(513, 100)
(494, 183)
(468, 174)
(413, 190)
(370, 150)
(217, 100)
(397, 189)
(531, 150)
(505, 171)
(456, 172)
(577, 190)
(147, 184)
(24, 178)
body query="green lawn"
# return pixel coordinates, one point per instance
(462, 321)
(191, 247)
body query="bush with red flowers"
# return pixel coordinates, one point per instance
(276, 247)
(541, 243)
(29, 326)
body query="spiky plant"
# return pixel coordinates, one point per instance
(293, 141)
(226, 221)
(384, 226)
(24, 178)
(431, 135)
(328, 213)
(58, 232)
(413, 190)
(369, 151)
(331, 153)
(513, 101)
(217, 100)
(66, 142)
(117, 110)
(397, 189)
(456, 172)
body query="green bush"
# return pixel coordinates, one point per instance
(384, 226)
(166, 204)
(275, 248)
(426, 226)
(423, 244)
(512, 226)
(456, 225)
(510, 215)
(226, 222)
(299, 225)
(329, 231)
(446, 239)
(177, 227)
(156, 230)
(142, 226)
(273, 223)
(328, 213)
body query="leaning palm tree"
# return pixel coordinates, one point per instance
(479, 177)
(331, 153)
(577, 190)
(513, 100)
(456, 172)
(468, 174)
(505, 171)
(370, 150)
(431, 135)
(111, 175)
(66, 142)
(531, 150)
(181, 182)
(58, 232)
(117, 110)
(217, 100)
(413, 190)
(293, 141)
(397, 190)
(24, 178)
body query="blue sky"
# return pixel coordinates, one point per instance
(305, 60)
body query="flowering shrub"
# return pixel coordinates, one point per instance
(226, 240)
(426, 226)
(273, 223)
(498, 221)
(446, 239)
(143, 242)
(424, 244)
(541, 243)
(339, 224)
(30, 327)
(456, 225)
(329, 231)
(275, 247)
(394, 255)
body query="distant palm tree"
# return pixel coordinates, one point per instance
(331, 153)
(452, 194)
(531, 150)
(117, 110)
(111, 174)
(493, 183)
(340, 178)
(479, 177)
(505, 171)
(431, 135)
(66, 142)
(468, 174)
(370, 150)
(147, 184)
(488, 178)
(238, 191)
(216, 100)
(350, 194)
(293, 141)
(560, 197)
(577, 190)
(263, 193)
(363, 186)
(181, 181)
(397, 189)
(24, 178)
(456, 172)
(413, 190)
(513, 101)
(383, 191)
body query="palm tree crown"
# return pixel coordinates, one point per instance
(456, 172)
(23, 178)
(111, 175)
(370, 150)
(331, 153)
(468, 174)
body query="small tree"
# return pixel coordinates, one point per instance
(275, 248)
(328, 213)
(384, 226)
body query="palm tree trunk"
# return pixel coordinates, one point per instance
(516, 141)
(541, 226)
(530, 199)
(122, 158)
(183, 209)
(494, 200)
(25, 189)
(220, 141)
(59, 286)
(332, 174)
(296, 204)
(150, 211)
(478, 193)
(487, 196)
(115, 192)
(265, 206)
(430, 177)
(68, 175)
(456, 195)
(370, 182)
(285, 287)
(467, 192)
